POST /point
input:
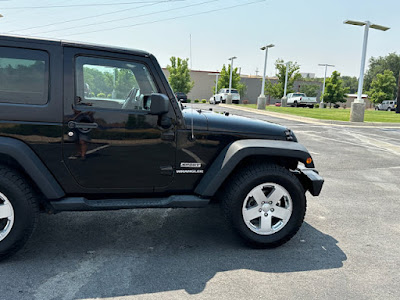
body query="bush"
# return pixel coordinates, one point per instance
(344, 106)
(109, 96)
(245, 101)
(101, 95)
(316, 105)
(91, 94)
(196, 101)
(336, 106)
(203, 101)
(188, 100)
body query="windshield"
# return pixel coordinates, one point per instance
(299, 95)
(232, 91)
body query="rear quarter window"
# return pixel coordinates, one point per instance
(24, 76)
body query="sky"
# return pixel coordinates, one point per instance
(309, 32)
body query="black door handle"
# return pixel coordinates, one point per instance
(80, 125)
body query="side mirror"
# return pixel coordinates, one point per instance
(159, 104)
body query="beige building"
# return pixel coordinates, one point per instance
(204, 81)
(352, 97)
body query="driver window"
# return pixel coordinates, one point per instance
(112, 84)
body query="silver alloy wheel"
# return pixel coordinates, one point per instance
(267, 208)
(6, 217)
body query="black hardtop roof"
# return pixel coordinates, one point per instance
(28, 39)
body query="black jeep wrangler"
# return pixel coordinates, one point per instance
(86, 127)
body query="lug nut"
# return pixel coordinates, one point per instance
(262, 202)
(270, 202)
(266, 215)
(260, 210)
(272, 209)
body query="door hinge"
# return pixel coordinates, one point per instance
(168, 136)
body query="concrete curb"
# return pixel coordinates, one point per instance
(311, 120)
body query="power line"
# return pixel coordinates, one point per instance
(167, 19)
(79, 5)
(17, 15)
(95, 16)
(128, 18)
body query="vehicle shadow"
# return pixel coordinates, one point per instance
(120, 253)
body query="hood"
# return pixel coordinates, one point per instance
(216, 122)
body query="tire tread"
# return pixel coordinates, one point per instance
(233, 188)
(14, 179)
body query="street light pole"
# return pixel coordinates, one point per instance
(362, 68)
(358, 106)
(216, 83)
(286, 78)
(323, 87)
(261, 101)
(216, 80)
(229, 97)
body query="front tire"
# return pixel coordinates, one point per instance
(18, 212)
(265, 205)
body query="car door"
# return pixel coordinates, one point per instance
(111, 140)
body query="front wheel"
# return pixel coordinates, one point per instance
(265, 204)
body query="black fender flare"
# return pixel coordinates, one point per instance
(235, 152)
(33, 166)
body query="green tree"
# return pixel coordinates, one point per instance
(334, 89)
(351, 83)
(379, 65)
(125, 81)
(311, 90)
(315, 79)
(223, 80)
(382, 87)
(179, 75)
(277, 90)
(97, 81)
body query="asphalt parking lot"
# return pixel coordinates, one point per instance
(348, 247)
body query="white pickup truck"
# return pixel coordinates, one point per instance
(300, 99)
(222, 94)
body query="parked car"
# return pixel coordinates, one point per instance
(300, 99)
(213, 101)
(387, 105)
(182, 97)
(278, 104)
(223, 93)
(64, 150)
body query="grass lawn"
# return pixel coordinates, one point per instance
(332, 113)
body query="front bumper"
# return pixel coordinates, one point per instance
(310, 178)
